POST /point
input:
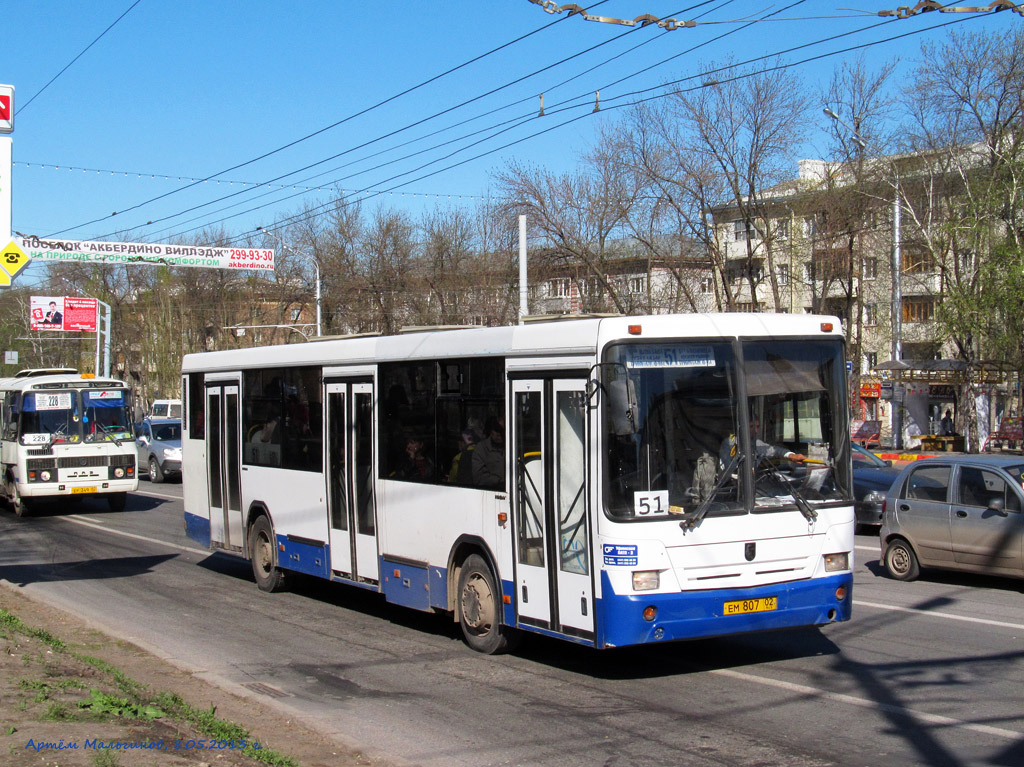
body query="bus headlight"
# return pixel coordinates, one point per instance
(836, 562)
(44, 476)
(646, 580)
(118, 473)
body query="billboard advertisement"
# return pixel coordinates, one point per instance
(66, 313)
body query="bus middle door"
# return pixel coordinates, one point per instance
(351, 507)
(554, 586)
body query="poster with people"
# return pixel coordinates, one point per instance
(47, 312)
(67, 313)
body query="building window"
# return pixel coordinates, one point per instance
(919, 262)
(707, 286)
(809, 271)
(783, 274)
(783, 229)
(559, 288)
(870, 268)
(871, 359)
(636, 284)
(918, 309)
(296, 314)
(870, 314)
(741, 231)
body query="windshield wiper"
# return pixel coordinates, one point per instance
(798, 498)
(692, 519)
(113, 428)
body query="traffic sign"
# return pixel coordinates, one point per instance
(12, 261)
(6, 108)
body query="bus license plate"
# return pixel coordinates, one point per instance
(758, 605)
(80, 490)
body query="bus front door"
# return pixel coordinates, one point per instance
(223, 464)
(554, 586)
(350, 505)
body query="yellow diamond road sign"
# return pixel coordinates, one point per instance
(12, 261)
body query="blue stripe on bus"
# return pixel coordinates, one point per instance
(303, 557)
(694, 614)
(198, 529)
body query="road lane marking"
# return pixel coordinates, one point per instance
(853, 700)
(933, 614)
(124, 534)
(158, 495)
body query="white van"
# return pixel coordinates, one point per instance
(165, 408)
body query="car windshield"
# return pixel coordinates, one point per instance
(681, 439)
(50, 418)
(106, 415)
(862, 458)
(69, 416)
(166, 432)
(1017, 472)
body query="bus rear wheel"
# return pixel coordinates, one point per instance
(269, 577)
(479, 609)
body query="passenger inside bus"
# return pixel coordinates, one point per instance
(415, 466)
(461, 471)
(489, 456)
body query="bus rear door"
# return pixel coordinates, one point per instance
(223, 463)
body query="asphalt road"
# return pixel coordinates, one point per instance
(928, 673)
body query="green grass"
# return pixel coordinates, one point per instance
(135, 702)
(10, 621)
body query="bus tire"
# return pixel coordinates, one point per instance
(22, 506)
(901, 561)
(262, 551)
(479, 606)
(117, 501)
(155, 475)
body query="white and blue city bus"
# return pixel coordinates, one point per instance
(65, 435)
(609, 481)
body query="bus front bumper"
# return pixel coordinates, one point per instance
(697, 614)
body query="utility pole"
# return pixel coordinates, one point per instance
(897, 287)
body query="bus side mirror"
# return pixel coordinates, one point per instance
(622, 406)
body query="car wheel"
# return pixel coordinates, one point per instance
(155, 474)
(901, 561)
(269, 577)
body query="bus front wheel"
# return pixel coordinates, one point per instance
(269, 577)
(22, 506)
(479, 609)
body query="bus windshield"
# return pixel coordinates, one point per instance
(724, 428)
(71, 416)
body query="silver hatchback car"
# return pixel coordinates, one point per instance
(158, 442)
(958, 513)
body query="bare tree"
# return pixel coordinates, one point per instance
(966, 103)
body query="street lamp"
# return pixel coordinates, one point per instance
(897, 287)
(316, 269)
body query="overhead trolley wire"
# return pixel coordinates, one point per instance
(320, 131)
(305, 215)
(67, 66)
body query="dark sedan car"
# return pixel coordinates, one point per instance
(958, 513)
(872, 478)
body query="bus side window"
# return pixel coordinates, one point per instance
(196, 406)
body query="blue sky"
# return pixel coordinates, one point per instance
(189, 90)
